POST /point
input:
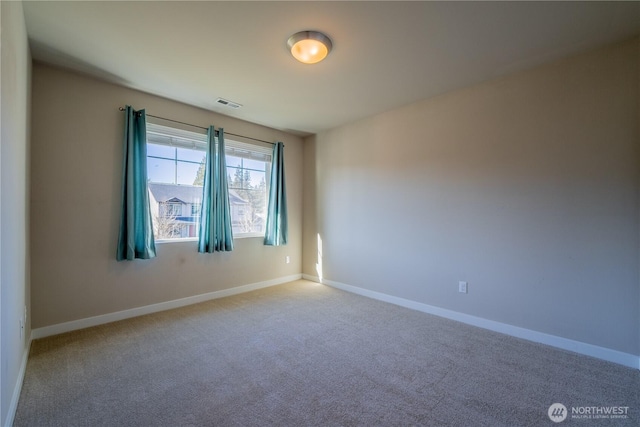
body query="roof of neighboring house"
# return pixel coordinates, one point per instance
(185, 193)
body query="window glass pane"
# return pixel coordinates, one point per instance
(160, 170)
(175, 200)
(190, 155)
(187, 173)
(256, 178)
(247, 212)
(161, 151)
(175, 210)
(233, 161)
(237, 178)
(254, 164)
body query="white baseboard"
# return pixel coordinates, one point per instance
(603, 353)
(13, 405)
(153, 308)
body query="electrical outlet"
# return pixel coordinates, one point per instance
(462, 287)
(287, 259)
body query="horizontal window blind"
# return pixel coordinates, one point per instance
(173, 137)
(247, 151)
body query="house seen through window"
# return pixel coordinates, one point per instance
(175, 168)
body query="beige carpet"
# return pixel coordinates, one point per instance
(304, 354)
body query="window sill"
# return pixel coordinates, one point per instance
(186, 240)
(195, 239)
(249, 235)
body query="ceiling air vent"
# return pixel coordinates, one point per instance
(227, 103)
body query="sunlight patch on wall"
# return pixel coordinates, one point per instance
(319, 263)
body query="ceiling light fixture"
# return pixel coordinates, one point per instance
(309, 47)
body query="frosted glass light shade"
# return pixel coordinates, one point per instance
(309, 47)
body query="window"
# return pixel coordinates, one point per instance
(248, 173)
(170, 209)
(175, 167)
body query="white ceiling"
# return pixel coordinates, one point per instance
(385, 54)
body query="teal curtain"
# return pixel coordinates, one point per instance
(135, 239)
(215, 218)
(277, 233)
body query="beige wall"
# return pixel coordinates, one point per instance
(76, 189)
(526, 187)
(14, 200)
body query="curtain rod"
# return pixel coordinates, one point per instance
(200, 127)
